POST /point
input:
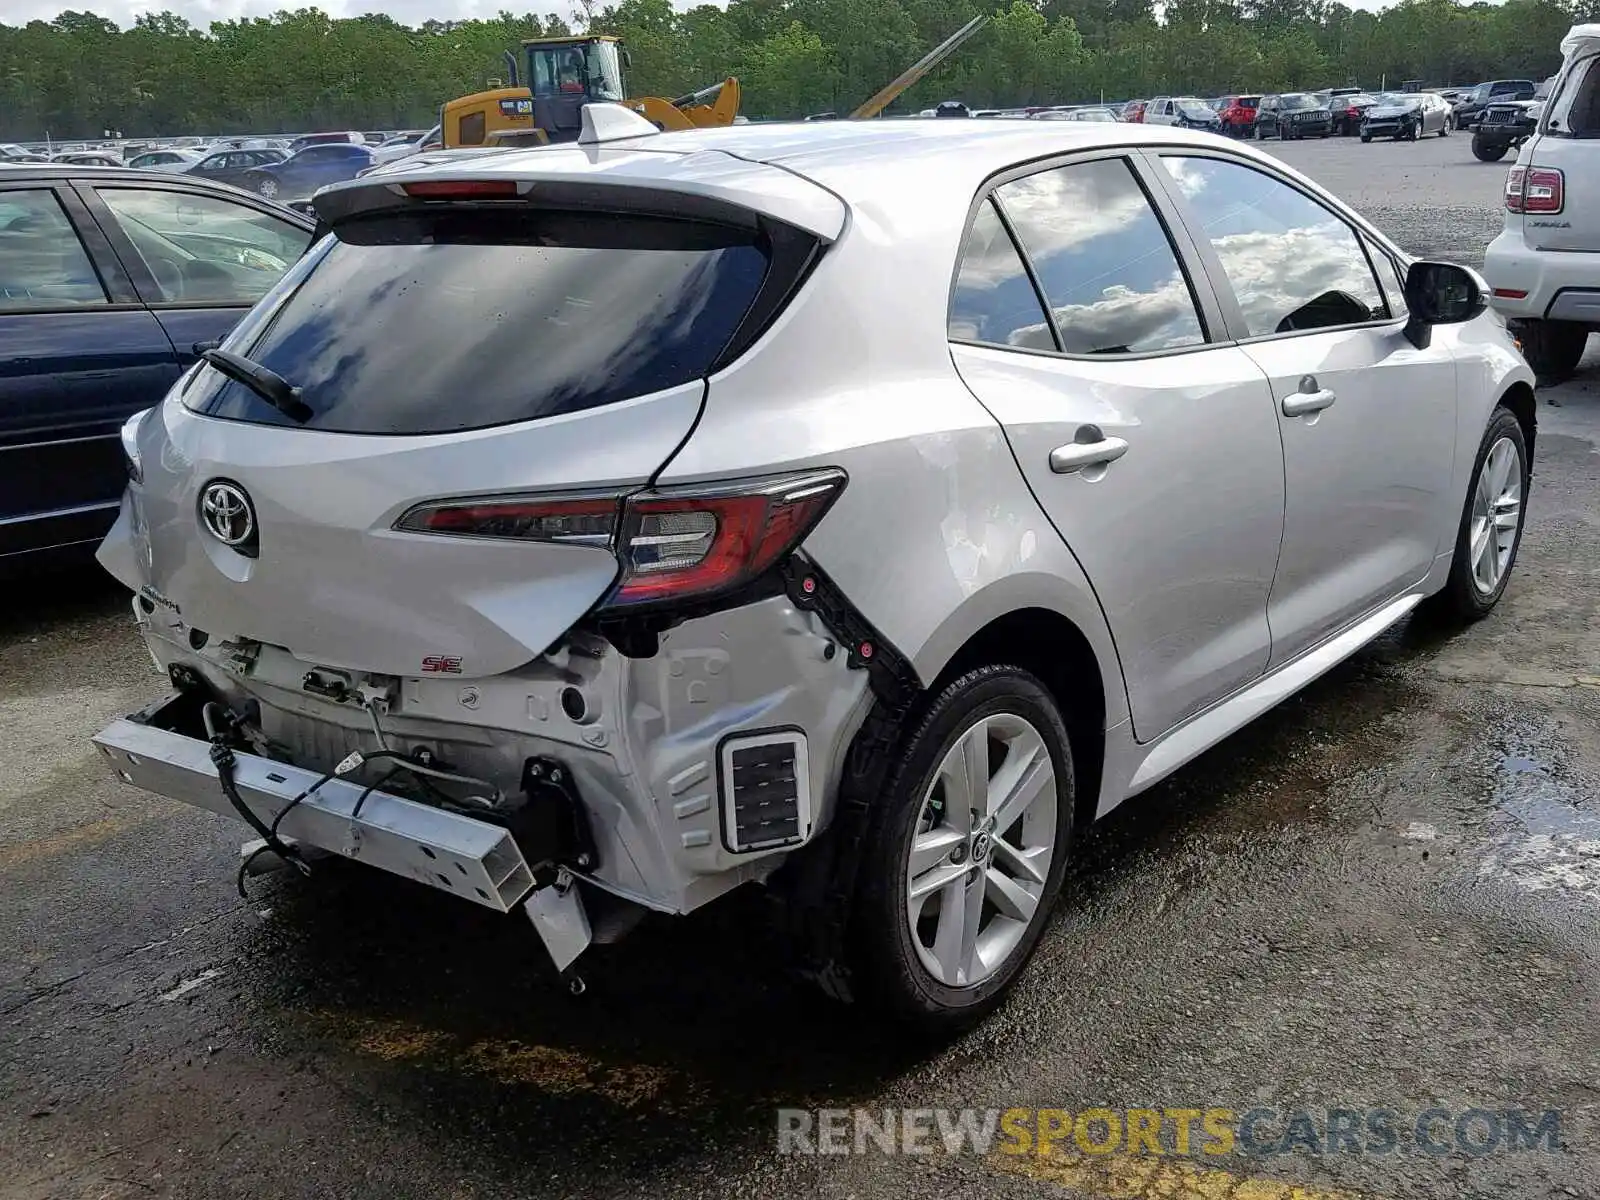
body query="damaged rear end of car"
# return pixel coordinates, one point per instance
(399, 549)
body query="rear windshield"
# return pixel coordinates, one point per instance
(463, 319)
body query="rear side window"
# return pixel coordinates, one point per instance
(1103, 259)
(464, 319)
(995, 302)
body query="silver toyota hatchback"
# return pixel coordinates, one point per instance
(858, 509)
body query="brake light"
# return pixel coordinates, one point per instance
(590, 521)
(462, 189)
(698, 542)
(1535, 190)
(671, 544)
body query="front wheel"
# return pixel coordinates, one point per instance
(1487, 151)
(266, 187)
(1491, 523)
(1444, 130)
(965, 852)
(1366, 137)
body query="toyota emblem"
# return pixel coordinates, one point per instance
(226, 513)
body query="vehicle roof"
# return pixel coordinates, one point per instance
(51, 172)
(911, 176)
(852, 157)
(570, 40)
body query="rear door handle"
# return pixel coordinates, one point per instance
(1091, 449)
(1309, 399)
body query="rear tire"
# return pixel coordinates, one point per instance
(1490, 532)
(1444, 130)
(1553, 348)
(1485, 152)
(899, 937)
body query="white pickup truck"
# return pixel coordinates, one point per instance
(1543, 269)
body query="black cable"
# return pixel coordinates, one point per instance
(372, 787)
(222, 758)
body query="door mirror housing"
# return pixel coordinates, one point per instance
(1441, 294)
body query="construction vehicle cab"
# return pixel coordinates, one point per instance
(550, 84)
(545, 93)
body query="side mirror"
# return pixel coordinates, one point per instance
(627, 59)
(1441, 294)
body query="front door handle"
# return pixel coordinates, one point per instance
(1309, 399)
(1090, 448)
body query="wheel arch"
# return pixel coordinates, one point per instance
(1519, 400)
(1085, 684)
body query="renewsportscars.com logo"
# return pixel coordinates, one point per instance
(1255, 1132)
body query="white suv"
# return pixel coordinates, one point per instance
(1543, 268)
(855, 508)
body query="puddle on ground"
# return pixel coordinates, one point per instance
(1549, 837)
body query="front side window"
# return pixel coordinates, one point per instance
(202, 249)
(1292, 263)
(1103, 259)
(42, 263)
(995, 301)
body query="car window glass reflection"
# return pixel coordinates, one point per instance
(1103, 259)
(1292, 263)
(546, 312)
(42, 262)
(995, 301)
(201, 249)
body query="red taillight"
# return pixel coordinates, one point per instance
(671, 544)
(585, 522)
(702, 541)
(1535, 190)
(462, 189)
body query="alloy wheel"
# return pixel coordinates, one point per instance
(1496, 515)
(981, 849)
(268, 187)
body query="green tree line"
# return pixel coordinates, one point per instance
(80, 74)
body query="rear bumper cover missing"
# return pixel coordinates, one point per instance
(447, 851)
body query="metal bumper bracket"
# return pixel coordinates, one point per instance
(447, 851)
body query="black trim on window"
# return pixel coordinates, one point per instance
(1028, 269)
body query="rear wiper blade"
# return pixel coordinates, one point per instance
(268, 384)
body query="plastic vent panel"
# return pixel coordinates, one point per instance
(766, 790)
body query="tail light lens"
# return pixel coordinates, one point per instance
(671, 545)
(463, 189)
(590, 521)
(1535, 190)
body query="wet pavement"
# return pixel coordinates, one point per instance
(1383, 895)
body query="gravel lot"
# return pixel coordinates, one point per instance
(1383, 895)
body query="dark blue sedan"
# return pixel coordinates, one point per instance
(108, 280)
(304, 171)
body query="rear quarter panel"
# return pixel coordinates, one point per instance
(936, 533)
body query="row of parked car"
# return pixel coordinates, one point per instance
(1347, 111)
(276, 168)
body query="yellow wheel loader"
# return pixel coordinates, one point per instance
(547, 90)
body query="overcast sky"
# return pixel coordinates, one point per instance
(408, 12)
(203, 12)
